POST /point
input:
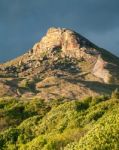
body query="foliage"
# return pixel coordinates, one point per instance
(115, 94)
(36, 124)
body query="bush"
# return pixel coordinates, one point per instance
(91, 123)
(115, 94)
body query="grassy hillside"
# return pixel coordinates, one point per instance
(88, 124)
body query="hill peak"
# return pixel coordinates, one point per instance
(62, 38)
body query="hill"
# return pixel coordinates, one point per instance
(63, 64)
(60, 95)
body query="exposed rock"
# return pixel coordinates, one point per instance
(100, 70)
(69, 42)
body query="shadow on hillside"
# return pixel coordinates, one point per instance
(94, 85)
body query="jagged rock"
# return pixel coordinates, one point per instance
(65, 41)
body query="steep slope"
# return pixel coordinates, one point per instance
(62, 64)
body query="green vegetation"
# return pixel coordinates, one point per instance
(88, 124)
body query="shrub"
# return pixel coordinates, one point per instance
(91, 123)
(115, 94)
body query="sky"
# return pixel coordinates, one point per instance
(24, 22)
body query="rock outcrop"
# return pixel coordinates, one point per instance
(67, 41)
(105, 70)
(100, 70)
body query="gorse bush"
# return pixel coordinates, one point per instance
(103, 135)
(89, 124)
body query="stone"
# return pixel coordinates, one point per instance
(100, 70)
(66, 41)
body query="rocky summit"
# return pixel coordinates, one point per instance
(63, 64)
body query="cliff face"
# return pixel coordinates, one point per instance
(68, 42)
(63, 63)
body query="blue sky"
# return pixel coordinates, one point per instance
(24, 22)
